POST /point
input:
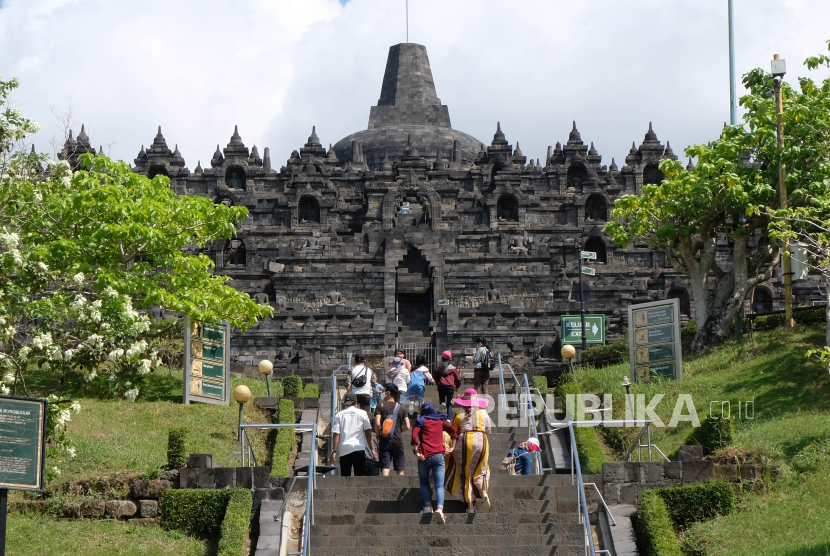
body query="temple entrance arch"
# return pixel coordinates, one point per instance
(413, 298)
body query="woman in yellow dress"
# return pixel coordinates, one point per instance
(468, 474)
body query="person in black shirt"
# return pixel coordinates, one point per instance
(390, 452)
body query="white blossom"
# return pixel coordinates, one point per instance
(131, 394)
(79, 279)
(95, 340)
(5, 390)
(38, 196)
(42, 266)
(10, 240)
(34, 127)
(144, 366)
(42, 341)
(24, 353)
(67, 355)
(75, 407)
(115, 354)
(70, 452)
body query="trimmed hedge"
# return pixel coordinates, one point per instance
(284, 442)
(813, 315)
(235, 524)
(540, 382)
(713, 434)
(591, 454)
(177, 447)
(292, 386)
(655, 526)
(311, 391)
(602, 356)
(688, 504)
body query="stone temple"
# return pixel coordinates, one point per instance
(413, 233)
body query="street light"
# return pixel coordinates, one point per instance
(241, 394)
(266, 368)
(627, 385)
(568, 352)
(779, 69)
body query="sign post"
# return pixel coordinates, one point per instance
(207, 376)
(654, 340)
(572, 329)
(22, 450)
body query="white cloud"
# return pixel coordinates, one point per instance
(276, 68)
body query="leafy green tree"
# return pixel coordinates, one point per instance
(78, 252)
(725, 200)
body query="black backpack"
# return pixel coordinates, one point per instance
(360, 380)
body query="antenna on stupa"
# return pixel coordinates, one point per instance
(407, 21)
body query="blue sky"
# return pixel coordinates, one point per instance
(277, 67)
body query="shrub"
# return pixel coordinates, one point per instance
(688, 504)
(602, 356)
(813, 315)
(177, 447)
(292, 386)
(311, 391)
(194, 511)
(235, 524)
(284, 442)
(655, 526)
(540, 382)
(713, 434)
(588, 447)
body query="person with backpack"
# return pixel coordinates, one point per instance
(428, 440)
(391, 421)
(360, 383)
(398, 375)
(448, 380)
(482, 365)
(351, 438)
(521, 458)
(418, 378)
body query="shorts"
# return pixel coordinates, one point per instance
(391, 453)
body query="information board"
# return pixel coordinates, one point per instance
(22, 441)
(206, 362)
(654, 340)
(572, 329)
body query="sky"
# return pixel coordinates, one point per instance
(277, 67)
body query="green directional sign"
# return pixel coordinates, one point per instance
(572, 329)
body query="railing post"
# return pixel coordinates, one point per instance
(503, 400)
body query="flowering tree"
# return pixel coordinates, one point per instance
(78, 252)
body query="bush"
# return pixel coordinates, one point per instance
(311, 391)
(194, 511)
(688, 504)
(655, 526)
(540, 382)
(235, 524)
(813, 315)
(588, 447)
(177, 447)
(284, 442)
(292, 386)
(713, 434)
(602, 356)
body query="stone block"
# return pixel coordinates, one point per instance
(611, 493)
(750, 472)
(698, 471)
(189, 478)
(613, 472)
(120, 509)
(171, 475)
(244, 477)
(630, 494)
(651, 472)
(726, 472)
(261, 477)
(148, 508)
(207, 478)
(200, 460)
(149, 489)
(673, 470)
(71, 508)
(225, 477)
(266, 402)
(93, 508)
(690, 453)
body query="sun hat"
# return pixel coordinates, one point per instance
(470, 399)
(533, 440)
(397, 362)
(446, 355)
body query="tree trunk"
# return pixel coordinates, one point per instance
(826, 280)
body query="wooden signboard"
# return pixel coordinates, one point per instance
(654, 340)
(207, 362)
(22, 441)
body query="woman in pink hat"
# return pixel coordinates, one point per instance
(468, 473)
(448, 380)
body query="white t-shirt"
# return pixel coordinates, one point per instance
(401, 379)
(350, 424)
(362, 370)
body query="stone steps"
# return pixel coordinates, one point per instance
(414, 505)
(452, 518)
(419, 549)
(400, 494)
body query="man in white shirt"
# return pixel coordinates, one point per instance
(360, 383)
(351, 434)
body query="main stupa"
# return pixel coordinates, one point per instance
(408, 115)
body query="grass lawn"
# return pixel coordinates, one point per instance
(46, 536)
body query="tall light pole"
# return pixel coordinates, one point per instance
(779, 69)
(582, 301)
(733, 104)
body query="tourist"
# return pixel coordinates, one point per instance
(390, 445)
(418, 378)
(398, 375)
(448, 380)
(376, 397)
(524, 455)
(402, 354)
(428, 439)
(481, 373)
(468, 473)
(361, 381)
(351, 437)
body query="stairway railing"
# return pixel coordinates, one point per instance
(531, 427)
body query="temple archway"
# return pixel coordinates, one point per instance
(652, 175)
(683, 296)
(577, 175)
(235, 177)
(507, 208)
(597, 245)
(308, 210)
(595, 208)
(761, 301)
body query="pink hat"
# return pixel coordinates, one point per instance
(446, 355)
(470, 399)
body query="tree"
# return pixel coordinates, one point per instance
(79, 250)
(726, 197)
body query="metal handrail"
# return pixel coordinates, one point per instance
(347, 366)
(531, 427)
(581, 491)
(503, 399)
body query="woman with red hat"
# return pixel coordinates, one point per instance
(468, 474)
(448, 380)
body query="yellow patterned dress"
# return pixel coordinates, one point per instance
(468, 474)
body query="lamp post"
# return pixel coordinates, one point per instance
(568, 352)
(241, 394)
(627, 385)
(582, 301)
(266, 368)
(733, 104)
(779, 69)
